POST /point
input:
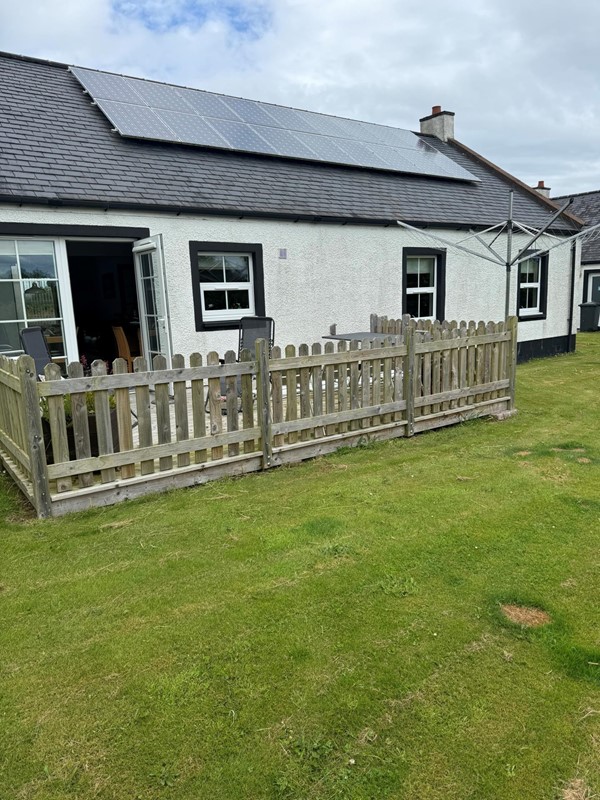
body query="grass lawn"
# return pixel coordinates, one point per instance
(329, 630)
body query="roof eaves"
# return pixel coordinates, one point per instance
(546, 201)
(33, 59)
(579, 194)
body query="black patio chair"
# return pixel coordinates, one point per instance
(251, 329)
(35, 345)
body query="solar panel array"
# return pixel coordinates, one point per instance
(149, 110)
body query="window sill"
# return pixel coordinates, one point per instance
(224, 325)
(530, 317)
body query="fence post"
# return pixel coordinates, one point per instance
(262, 401)
(512, 324)
(35, 437)
(408, 378)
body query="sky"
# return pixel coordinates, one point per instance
(522, 76)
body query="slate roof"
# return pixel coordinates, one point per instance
(56, 148)
(587, 207)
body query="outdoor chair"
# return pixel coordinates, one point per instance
(123, 346)
(251, 329)
(34, 344)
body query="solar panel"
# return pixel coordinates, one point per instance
(289, 118)
(326, 126)
(286, 143)
(106, 86)
(361, 154)
(150, 110)
(190, 128)
(325, 148)
(249, 111)
(138, 121)
(158, 95)
(241, 136)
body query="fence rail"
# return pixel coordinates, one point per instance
(96, 439)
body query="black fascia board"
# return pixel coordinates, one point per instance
(69, 203)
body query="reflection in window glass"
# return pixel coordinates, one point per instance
(150, 297)
(41, 299)
(210, 269)
(9, 336)
(36, 259)
(11, 306)
(237, 269)
(8, 261)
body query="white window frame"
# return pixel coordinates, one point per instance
(432, 290)
(534, 311)
(65, 301)
(592, 274)
(234, 314)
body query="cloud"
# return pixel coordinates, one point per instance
(521, 77)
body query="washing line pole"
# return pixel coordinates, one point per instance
(509, 234)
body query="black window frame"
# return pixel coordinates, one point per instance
(256, 251)
(440, 276)
(543, 312)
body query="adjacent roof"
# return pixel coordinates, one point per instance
(57, 148)
(587, 207)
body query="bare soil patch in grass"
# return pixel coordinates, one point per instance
(576, 790)
(525, 615)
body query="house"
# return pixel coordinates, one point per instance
(587, 207)
(170, 212)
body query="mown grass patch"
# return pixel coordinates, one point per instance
(331, 630)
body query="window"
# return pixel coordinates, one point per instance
(532, 287)
(227, 282)
(591, 286)
(29, 294)
(424, 283)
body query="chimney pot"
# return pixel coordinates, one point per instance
(542, 189)
(436, 110)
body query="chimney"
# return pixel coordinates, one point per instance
(439, 123)
(542, 189)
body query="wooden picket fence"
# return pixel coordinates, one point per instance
(91, 440)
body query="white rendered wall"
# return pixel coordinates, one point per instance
(333, 273)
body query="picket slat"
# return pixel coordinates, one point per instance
(304, 392)
(277, 396)
(214, 405)
(197, 401)
(291, 391)
(144, 417)
(103, 421)
(317, 384)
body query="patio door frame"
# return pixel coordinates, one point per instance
(155, 279)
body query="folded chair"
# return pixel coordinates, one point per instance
(34, 344)
(251, 329)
